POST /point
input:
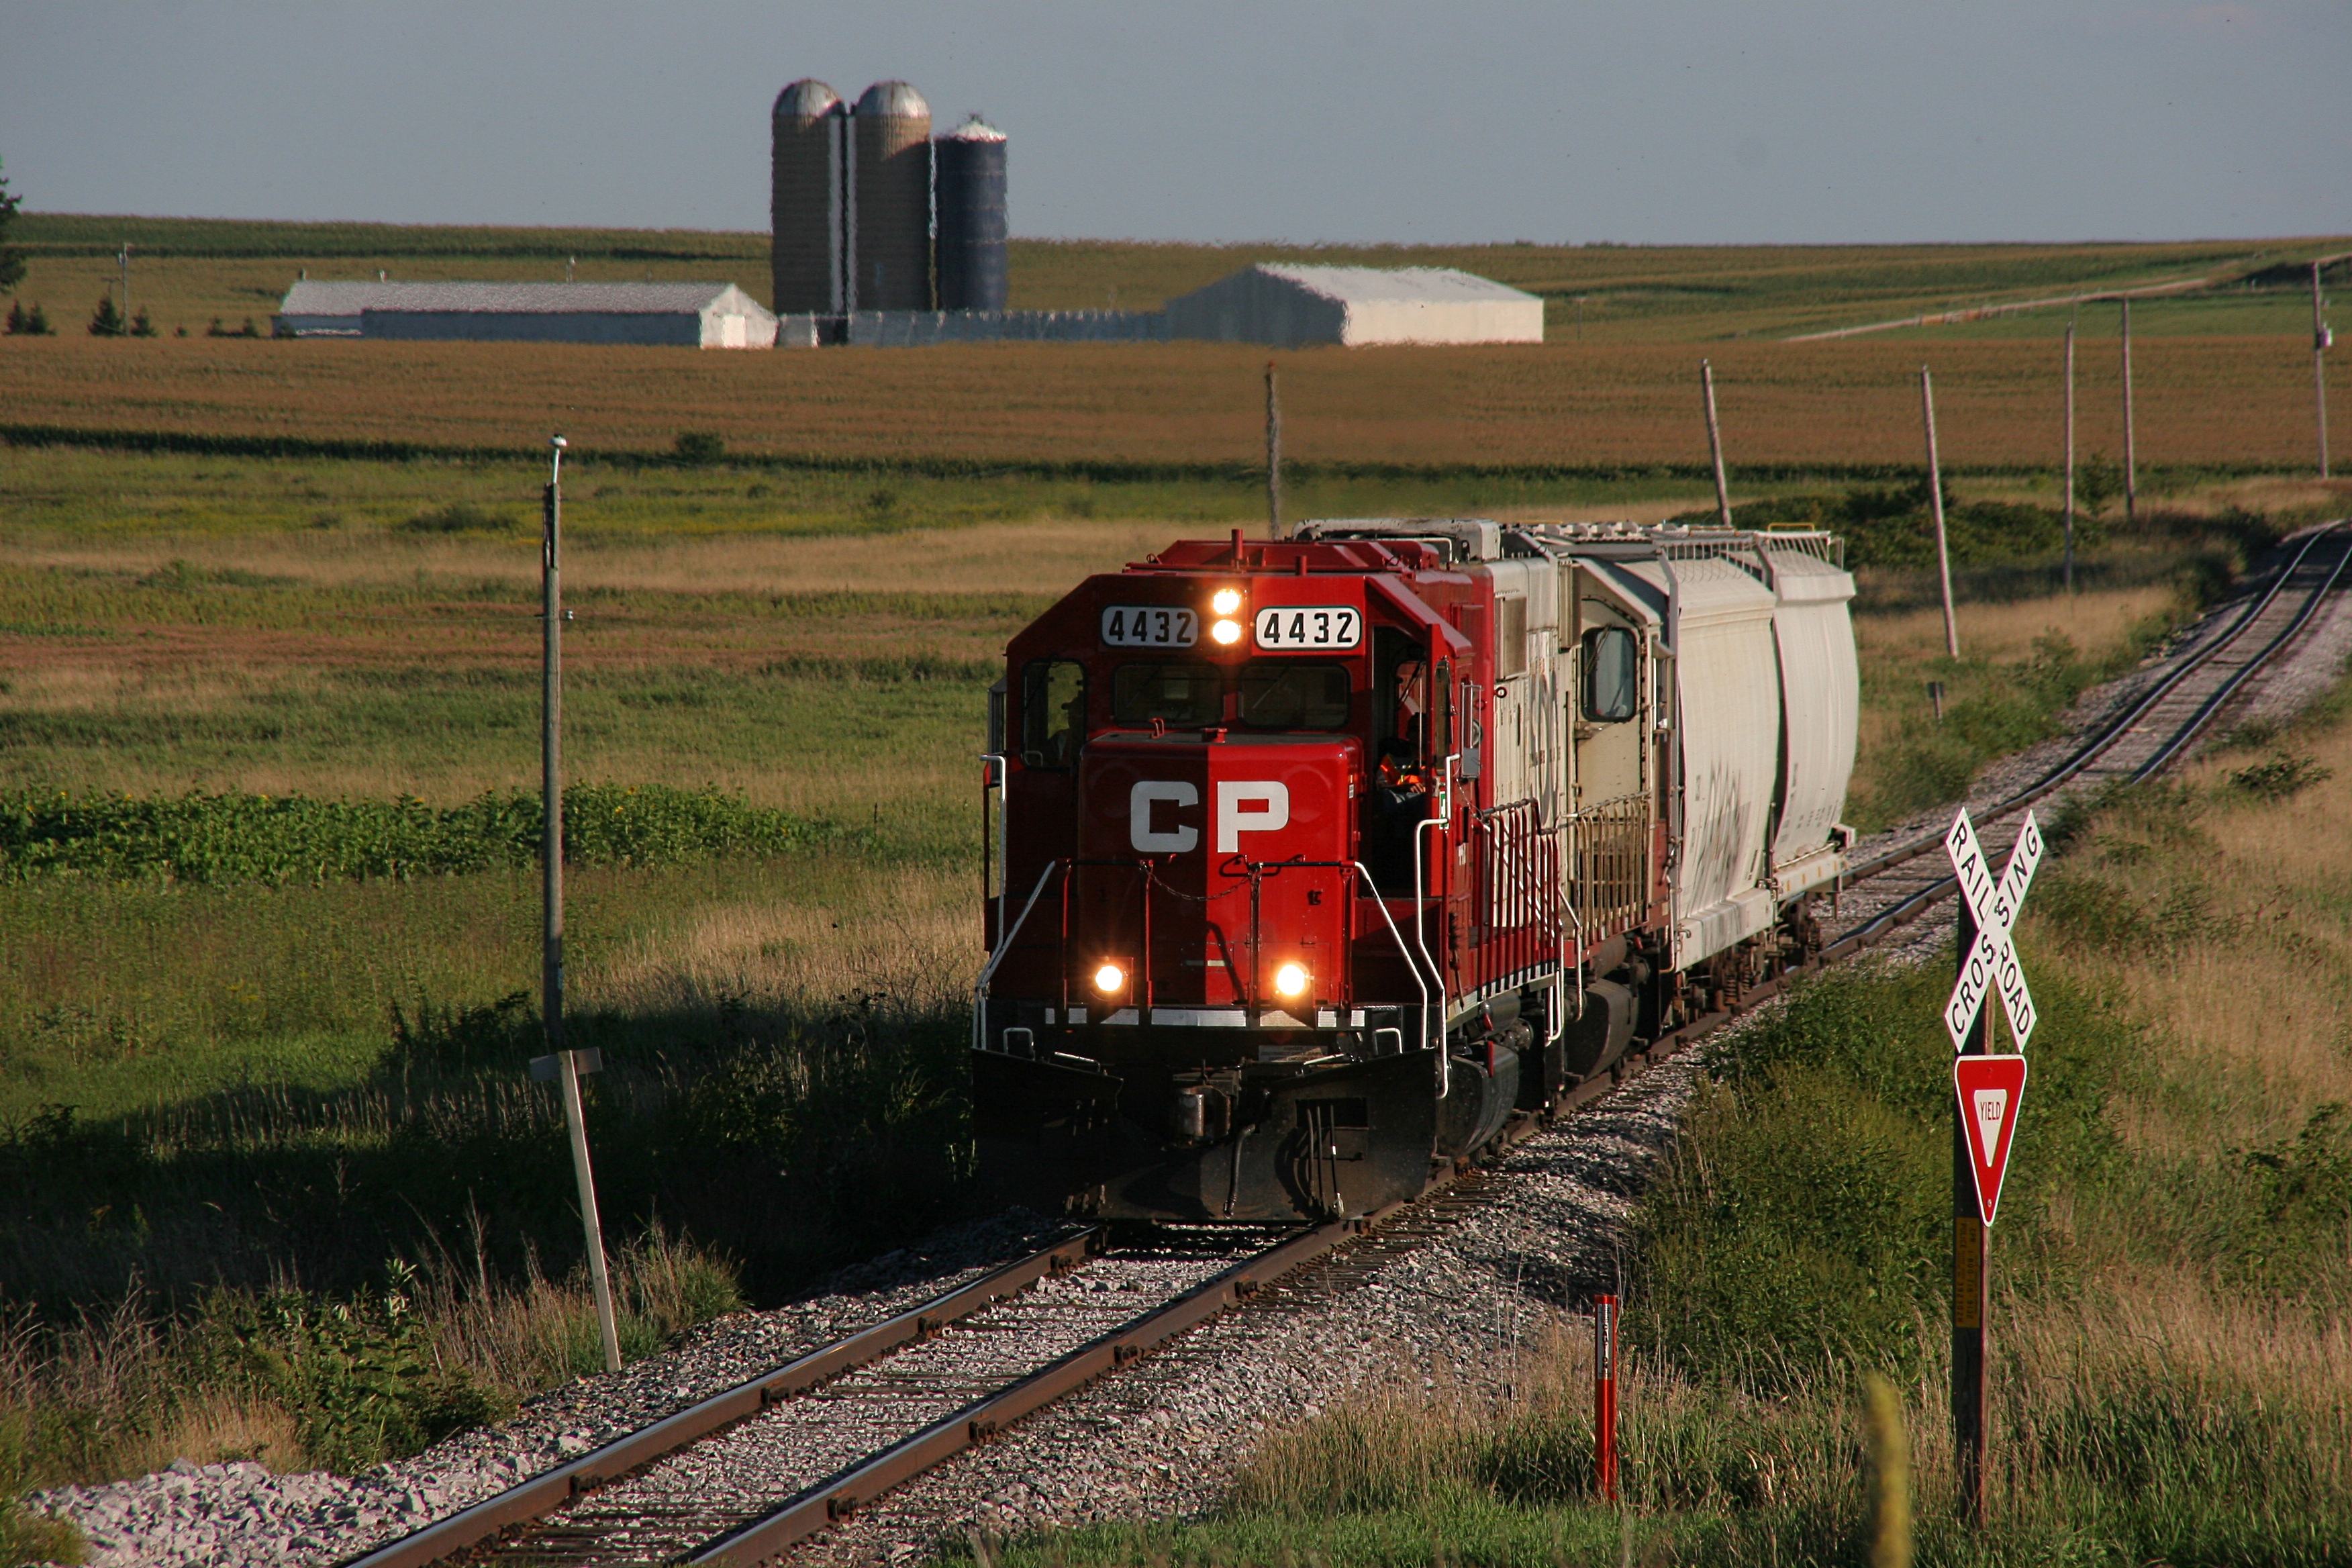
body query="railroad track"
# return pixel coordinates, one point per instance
(746, 1475)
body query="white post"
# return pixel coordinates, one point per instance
(567, 1063)
(2070, 456)
(1936, 505)
(2319, 342)
(1715, 444)
(1272, 456)
(2131, 459)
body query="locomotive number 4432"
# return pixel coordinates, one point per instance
(1150, 625)
(1284, 627)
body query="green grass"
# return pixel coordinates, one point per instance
(230, 838)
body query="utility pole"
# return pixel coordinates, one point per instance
(1272, 456)
(123, 260)
(2131, 459)
(2321, 338)
(2070, 456)
(1715, 444)
(566, 1062)
(1936, 505)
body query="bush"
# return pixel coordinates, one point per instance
(238, 837)
(360, 1376)
(2279, 777)
(697, 447)
(459, 517)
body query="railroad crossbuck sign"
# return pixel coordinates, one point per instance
(1992, 959)
(1991, 1089)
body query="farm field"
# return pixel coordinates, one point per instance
(2236, 403)
(190, 270)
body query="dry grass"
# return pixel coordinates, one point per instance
(2233, 401)
(2004, 633)
(905, 932)
(2242, 878)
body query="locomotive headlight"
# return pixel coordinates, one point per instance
(1225, 601)
(1110, 979)
(1226, 633)
(1290, 980)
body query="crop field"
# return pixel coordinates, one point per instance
(189, 270)
(2222, 376)
(2225, 402)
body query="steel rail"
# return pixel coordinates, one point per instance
(838, 1496)
(550, 1489)
(841, 1494)
(1912, 905)
(2115, 728)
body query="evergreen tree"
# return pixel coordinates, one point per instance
(12, 265)
(107, 321)
(16, 319)
(36, 323)
(141, 326)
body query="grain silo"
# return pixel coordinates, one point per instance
(808, 210)
(890, 190)
(971, 161)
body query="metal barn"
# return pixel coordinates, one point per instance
(1291, 306)
(688, 315)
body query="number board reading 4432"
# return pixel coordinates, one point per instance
(1150, 625)
(1284, 627)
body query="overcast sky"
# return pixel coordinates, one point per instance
(1662, 120)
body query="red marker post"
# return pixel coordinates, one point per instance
(1604, 1394)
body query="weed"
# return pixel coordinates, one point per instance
(224, 839)
(2279, 777)
(460, 517)
(698, 448)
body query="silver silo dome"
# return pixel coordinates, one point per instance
(890, 195)
(808, 200)
(971, 249)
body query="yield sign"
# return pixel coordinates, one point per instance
(1993, 957)
(1990, 1090)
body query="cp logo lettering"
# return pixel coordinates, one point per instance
(1243, 805)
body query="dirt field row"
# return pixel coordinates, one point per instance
(2235, 401)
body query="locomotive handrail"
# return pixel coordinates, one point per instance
(1421, 913)
(988, 970)
(1380, 900)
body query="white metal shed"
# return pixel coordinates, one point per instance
(691, 315)
(1292, 306)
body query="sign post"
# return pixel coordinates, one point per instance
(1605, 1396)
(1987, 1090)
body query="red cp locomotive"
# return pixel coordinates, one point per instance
(1322, 859)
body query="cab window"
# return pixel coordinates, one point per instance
(1053, 712)
(1612, 677)
(1186, 696)
(1286, 694)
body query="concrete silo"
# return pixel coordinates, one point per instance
(971, 161)
(808, 201)
(891, 199)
